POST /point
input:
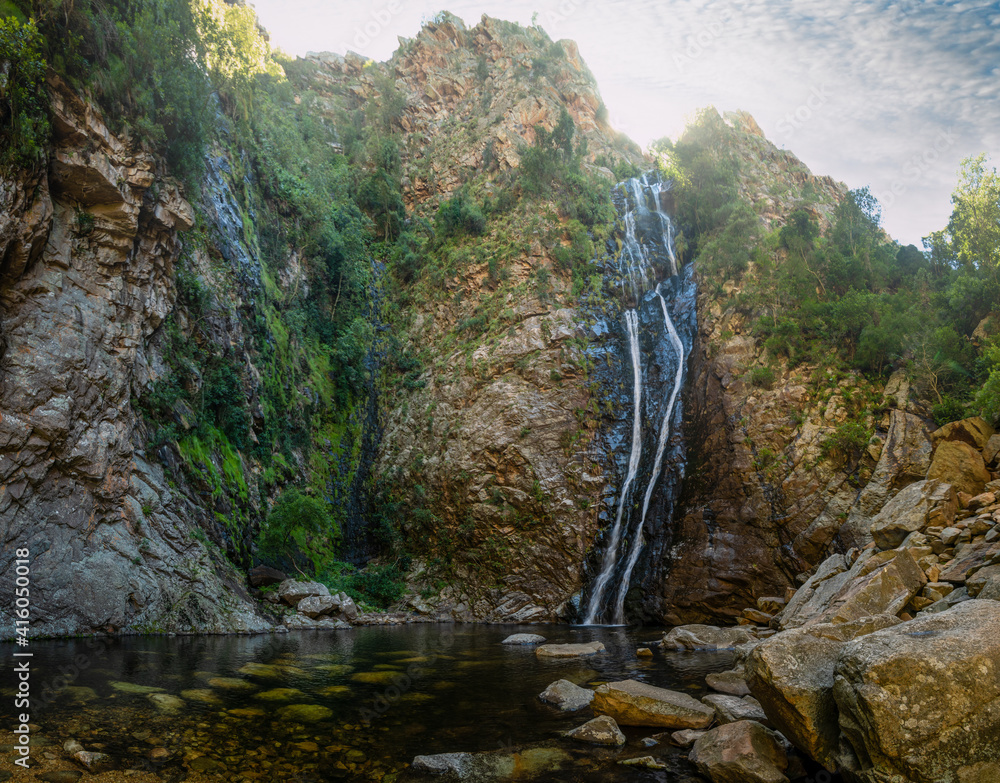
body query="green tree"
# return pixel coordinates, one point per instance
(299, 525)
(975, 219)
(24, 123)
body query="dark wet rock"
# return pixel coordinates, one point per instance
(633, 703)
(741, 752)
(523, 638)
(602, 730)
(264, 576)
(706, 637)
(567, 696)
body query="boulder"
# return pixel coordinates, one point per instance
(706, 637)
(954, 598)
(729, 709)
(567, 696)
(971, 556)
(523, 638)
(731, 682)
(991, 450)
(974, 431)
(263, 576)
(569, 650)
(877, 583)
(975, 583)
(348, 608)
(920, 702)
(741, 752)
(685, 738)
(601, 730)
(905, 458)
(791, 675)
(960, 464)
(924, 503)
(317, 605)
(634, 703)
(442, 763)
(291, 592)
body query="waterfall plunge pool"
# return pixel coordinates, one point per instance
(347, 705)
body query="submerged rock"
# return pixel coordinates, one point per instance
(305, 713)
(569, 650)
(741, 752)
(567, 696)
(643, 761)
(601, 730)
(633, 703)
(523, 638)
(130, 687)
(165, 703)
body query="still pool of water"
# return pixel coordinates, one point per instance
(347, 705)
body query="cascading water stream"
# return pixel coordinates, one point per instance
(633, 555)
(646, 252)
(611, 553)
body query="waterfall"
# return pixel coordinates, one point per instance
(658, 463)
(611, 553)
(646, 253)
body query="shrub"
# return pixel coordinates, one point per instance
(762, 377)
(299, 525)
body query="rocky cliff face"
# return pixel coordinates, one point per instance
(88, 247)
(492, 446)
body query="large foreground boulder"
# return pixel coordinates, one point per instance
(791, 675)
(741, 752)
(633, 703)
(706, 637)
(920, 702)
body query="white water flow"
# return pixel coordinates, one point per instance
(667, 227)
(636, 545)
(611, 551)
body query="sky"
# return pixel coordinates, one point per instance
(889, 94)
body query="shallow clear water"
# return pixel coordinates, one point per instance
(358, 704)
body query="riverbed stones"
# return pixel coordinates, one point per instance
(633, 703)
(292, 592)
(442, 763)
(524, 638)
(602, 730)
(685, 738)
(567, 696)
(706, 637)
(741, 752)
(920, 702)
(569, 650)
(92, 761)
(61, 776)
(133, 688)
(731, 682)
(791, 676)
